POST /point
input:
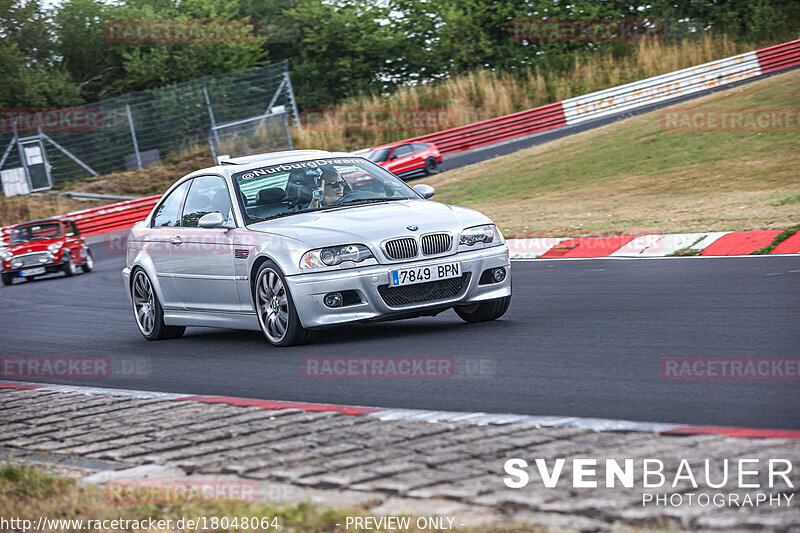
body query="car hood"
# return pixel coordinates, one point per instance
(31, 247)
(373, 223)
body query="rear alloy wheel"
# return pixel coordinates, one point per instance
(88, 262)
(8, 279)
(430, 166)
(484, 311)
(275, 308)
(148, 311)
(70, 267)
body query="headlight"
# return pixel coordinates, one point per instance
(8, 255)
(335, 255)
(54, 248)
(480, 234)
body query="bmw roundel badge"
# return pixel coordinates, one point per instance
(413, 228)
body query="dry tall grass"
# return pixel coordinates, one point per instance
(485, 94)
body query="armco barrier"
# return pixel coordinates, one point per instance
(107, 218)
(523, 123)
(615, 100)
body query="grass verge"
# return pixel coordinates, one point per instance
(29, 493)
(636, 176)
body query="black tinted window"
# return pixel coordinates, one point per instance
(208, 194)
(168, 213)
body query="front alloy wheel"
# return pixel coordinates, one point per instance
(88, 262)
(148, 311)
(275, 308)
(70, 267)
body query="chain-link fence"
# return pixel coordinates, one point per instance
(138, 129)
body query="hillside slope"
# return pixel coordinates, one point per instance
(640, 176)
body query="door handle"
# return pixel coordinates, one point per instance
(177, 241)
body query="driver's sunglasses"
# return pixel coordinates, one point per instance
(337, 184)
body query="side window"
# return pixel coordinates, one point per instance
(401, 151)
(73, 229)
(418, 147)
(168, 213)
(208, 194)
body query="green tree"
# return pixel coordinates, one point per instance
(30, 74)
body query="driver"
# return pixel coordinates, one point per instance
(331, 188)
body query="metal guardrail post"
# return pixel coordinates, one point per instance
(133, 131)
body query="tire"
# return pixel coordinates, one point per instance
(70, 268)
(431, 166)
(88, 262)
(484, 311)
(148, 312)
(8, 279)
(275, 308)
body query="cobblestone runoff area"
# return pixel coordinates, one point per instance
(386, 467)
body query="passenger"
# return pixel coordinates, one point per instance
(331, 188)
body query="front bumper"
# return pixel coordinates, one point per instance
(50, 268)
(308, 290)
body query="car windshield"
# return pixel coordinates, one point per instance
(36, 232)
(379, 155)
(282, 190)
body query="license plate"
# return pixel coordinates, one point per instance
(408, 276)
(32, 271)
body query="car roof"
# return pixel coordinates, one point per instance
(42, 221)
(398, 143)
(228, 167)
(272, 156)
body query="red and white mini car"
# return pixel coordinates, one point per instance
(43, 247)
(407, 159)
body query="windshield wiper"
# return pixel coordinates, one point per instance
(370, 201)
(286, 214)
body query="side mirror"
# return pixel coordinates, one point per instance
(426, 191)
(212, 221)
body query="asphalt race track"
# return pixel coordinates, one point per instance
(582, 338)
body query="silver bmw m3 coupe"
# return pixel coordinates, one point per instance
(292, 242)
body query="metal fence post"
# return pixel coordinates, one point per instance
(133, 131)
(286, 130)
(291, 98)
(22, 157)
(210, 111)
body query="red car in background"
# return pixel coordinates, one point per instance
(406, 159)
(43, 247)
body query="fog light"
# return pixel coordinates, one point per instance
(16, 263)
(499, 274)
(333, 299)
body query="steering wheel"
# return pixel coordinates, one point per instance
(355, 195)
